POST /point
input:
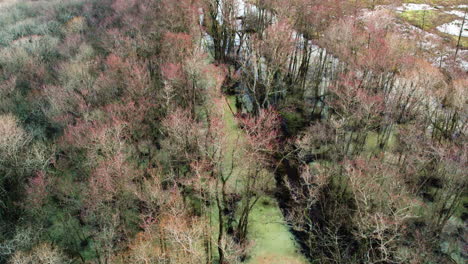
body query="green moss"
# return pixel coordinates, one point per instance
(463, 41)
(272, 241)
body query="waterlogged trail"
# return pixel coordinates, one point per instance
(270, 240)
(273, 243)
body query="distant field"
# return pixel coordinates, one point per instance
(436, 2)
(427, 19)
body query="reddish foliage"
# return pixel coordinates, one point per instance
(121, 121)
(37, 189)
(181, 15)
(177, 47)
(133, 113)
(369, 43)
(180, 121)
(131, 75)
(114, 62)
(172, 72)
(322, 12)
(276, 44)
(216, 73)
(87, 134)
(354, 101)
(263, 131)
(136, 115)
(376, 56)
(122, 5)
(313, 16)
(183, 132)
(110, 177)
(132, 14)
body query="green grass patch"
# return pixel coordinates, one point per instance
(231, 122)
(234, 144)
(427, 19)
(272, 241)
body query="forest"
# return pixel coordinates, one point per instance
(233, 131)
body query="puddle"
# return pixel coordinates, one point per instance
(457, 13)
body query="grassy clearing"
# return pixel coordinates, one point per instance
(427, 19)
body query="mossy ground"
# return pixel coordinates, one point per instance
(269, 234)
(270, 238)
(372, 142)
(234, 144)
(463, 41)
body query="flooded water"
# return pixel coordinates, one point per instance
(454, 28)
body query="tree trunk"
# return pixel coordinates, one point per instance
(460, 34)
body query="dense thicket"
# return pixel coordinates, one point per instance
(148, 131)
